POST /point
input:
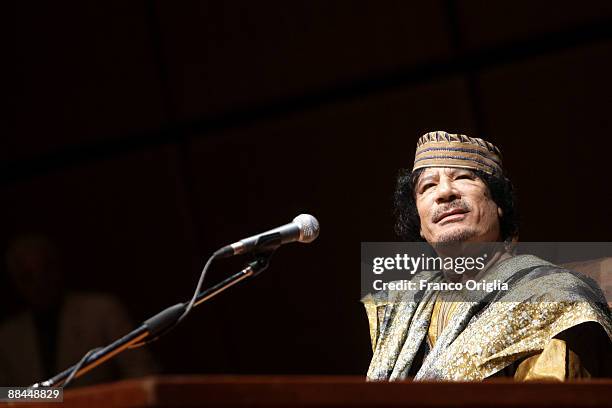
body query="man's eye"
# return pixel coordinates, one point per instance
(427, 186)
(464, 176)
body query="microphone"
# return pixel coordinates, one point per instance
(304, 228)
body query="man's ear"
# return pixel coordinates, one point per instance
(500, 212)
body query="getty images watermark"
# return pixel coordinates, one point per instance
(476, 270)
(456, 265)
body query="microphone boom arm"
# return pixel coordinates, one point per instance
(157, 325)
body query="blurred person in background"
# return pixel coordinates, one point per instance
(56, 327)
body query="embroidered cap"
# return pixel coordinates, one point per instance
(441, 149)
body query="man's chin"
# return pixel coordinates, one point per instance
(454, 236)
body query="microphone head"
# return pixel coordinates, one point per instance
(309, 227)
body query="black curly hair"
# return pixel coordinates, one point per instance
(408, 223)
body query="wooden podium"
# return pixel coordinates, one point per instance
(306, 391)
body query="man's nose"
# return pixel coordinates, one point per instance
(446, 191)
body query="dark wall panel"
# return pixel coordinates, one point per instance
(85, 72)
(494, 23)
(227, 55)
(551, 115)
(122, 226)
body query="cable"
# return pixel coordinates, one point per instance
(197, 290)
(188, 308)
(79, 365)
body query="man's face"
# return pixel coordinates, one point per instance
(35, 271)
(455, 205)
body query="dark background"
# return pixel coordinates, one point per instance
(145, 135)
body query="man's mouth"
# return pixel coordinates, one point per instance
(451, 215)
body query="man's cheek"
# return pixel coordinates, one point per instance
(425, 225)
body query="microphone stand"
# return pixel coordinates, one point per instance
(157, 325)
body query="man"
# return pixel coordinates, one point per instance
(550, 323)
